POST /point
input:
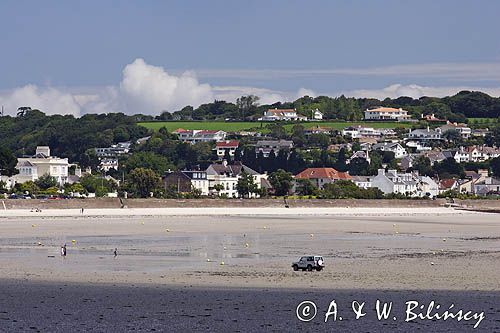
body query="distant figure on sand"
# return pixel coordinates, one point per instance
(82, 210)
(115, 252)
(63, 250)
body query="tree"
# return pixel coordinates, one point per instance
(29, 187)
(298, 136)
(453, 136)
(493, 138)
(341, 165)
(46, 181)
(358, 167)
(449, 168)
(218, 188)
(495, 166)
(320, 140)
(281, 181)
(305, 187)
(423, 165)
(144, 181)
(149, 160)
(247, 105)
(246, 185)
(7, 162)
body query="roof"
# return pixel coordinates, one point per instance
(445, 184)
(280, 143)
(25, 164)
(317, 173)
(280, 111)
(385, 109)
(385, 145)
(230, 143)
(232, 169)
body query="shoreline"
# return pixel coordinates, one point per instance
(238, 211)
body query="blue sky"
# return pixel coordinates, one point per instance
(275, 48)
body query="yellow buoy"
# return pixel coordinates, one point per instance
(222, 263)
(142, 223)
(73, 241)
(167, 230)
(33, 225)
(312, 235)
(247, 245)
(208, 260)
(444, 239)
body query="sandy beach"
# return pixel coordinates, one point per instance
(407, 251)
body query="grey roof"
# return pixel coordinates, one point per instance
(385, 145)
(231, 169)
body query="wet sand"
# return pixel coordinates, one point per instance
(49, 307)
(162, 258)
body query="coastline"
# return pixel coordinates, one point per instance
(235, 211)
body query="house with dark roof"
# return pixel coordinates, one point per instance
(185, 181)
(226, 176)
(266, 146)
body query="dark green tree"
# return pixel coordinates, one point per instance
(246, 185)
(143, 182)
(281, 181)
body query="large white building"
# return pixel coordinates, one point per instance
(227, 175)
(282, 114)
(383, 113)
(410, 184)
(195, 136)
(42, 163)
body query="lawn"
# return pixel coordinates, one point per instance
(258, 126)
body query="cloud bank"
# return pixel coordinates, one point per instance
(149, 89)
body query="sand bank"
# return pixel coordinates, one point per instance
(234, 211)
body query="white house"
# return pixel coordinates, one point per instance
(121, 148)
(410, 184)
(42, 163)
(281, 114)
(424, 134)
(317, 114)
(194, 136)
(185, 181)
(396, 148)
(227, 176)
(222, 146)
(462, 129)
(356, 132)
(107, 164)
(266, 146)
(383, 113)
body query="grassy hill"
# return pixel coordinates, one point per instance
(257, 126)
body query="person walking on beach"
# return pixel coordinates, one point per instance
(82, 210)
(64, 251)
(115, 252)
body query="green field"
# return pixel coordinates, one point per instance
(257, 126)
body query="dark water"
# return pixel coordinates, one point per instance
(46, 307)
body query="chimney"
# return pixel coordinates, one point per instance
(381, 172)
(45, 150)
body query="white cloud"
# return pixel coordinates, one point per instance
(150, 89)
(49, 100)
(416, 91)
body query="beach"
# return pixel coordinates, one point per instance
(247, 253)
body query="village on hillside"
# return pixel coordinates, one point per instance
(442, 158)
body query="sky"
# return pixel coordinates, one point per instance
(75, 57)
